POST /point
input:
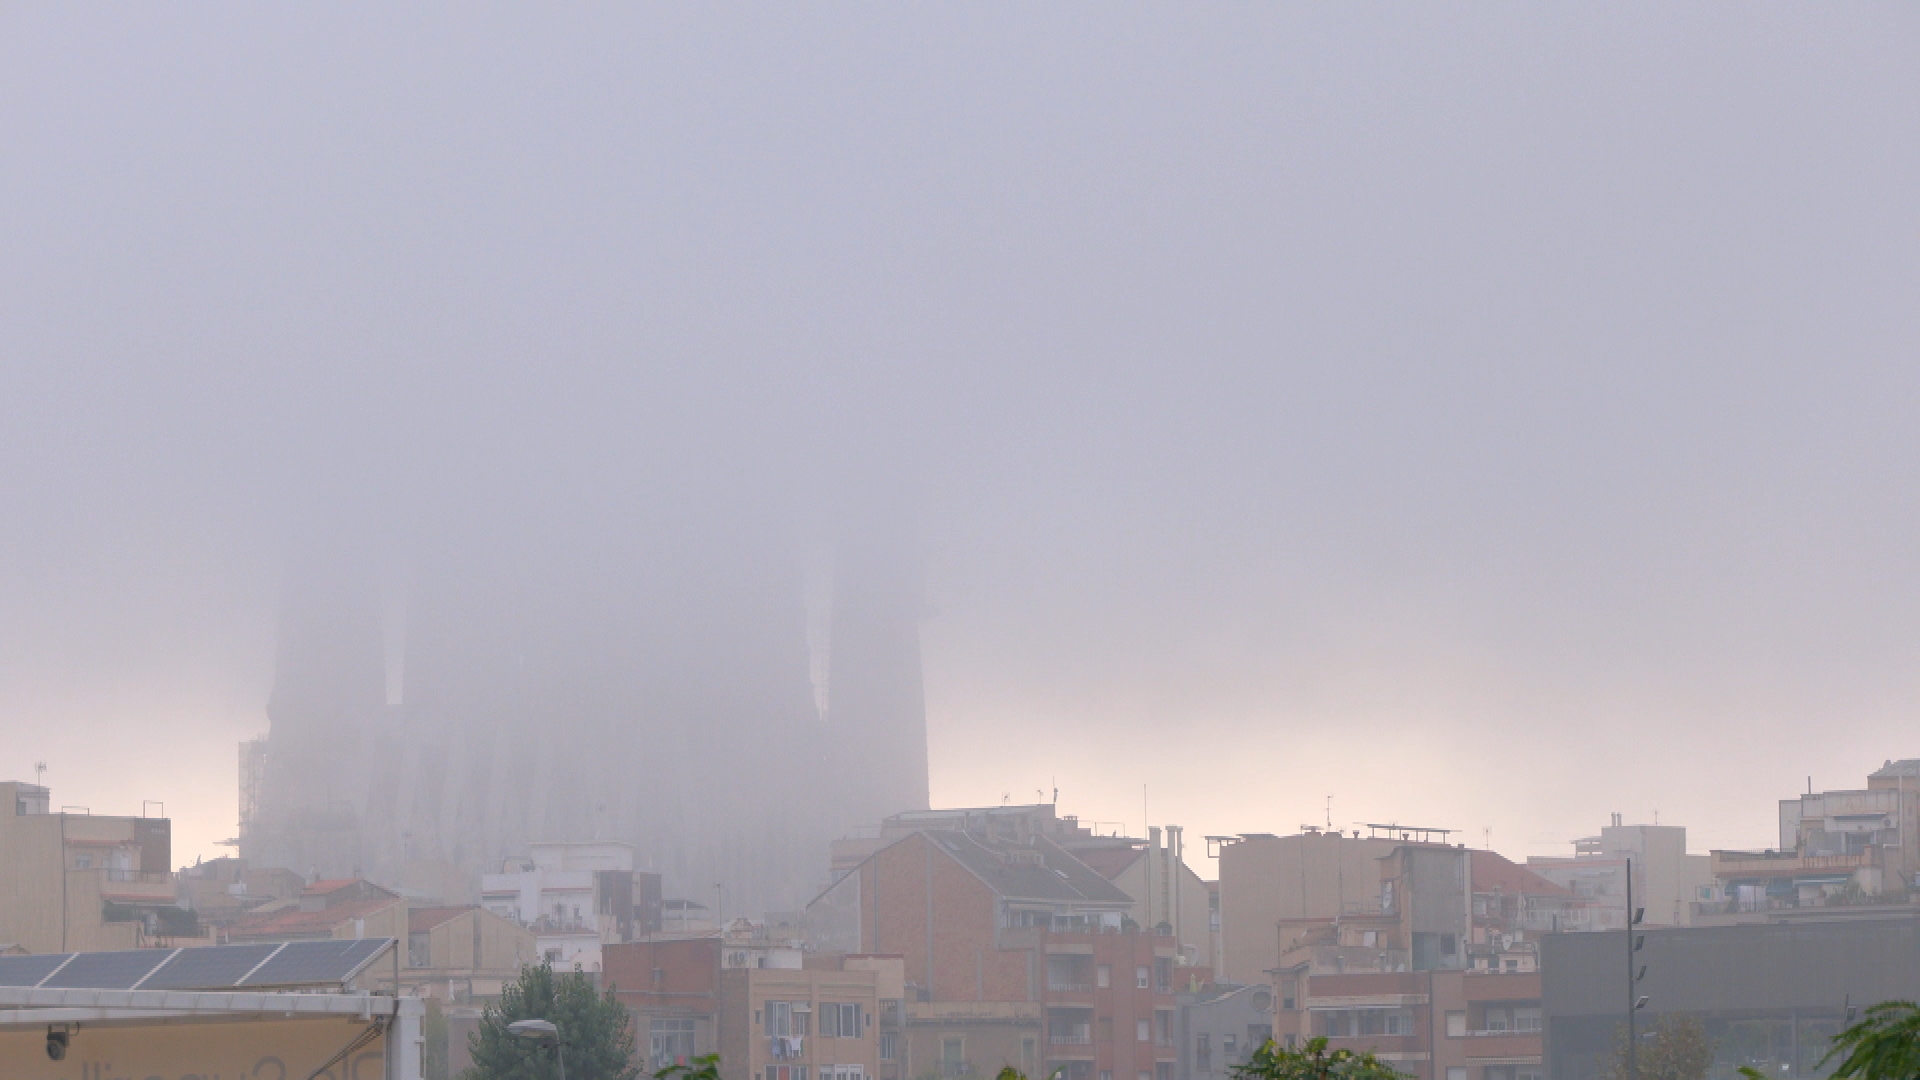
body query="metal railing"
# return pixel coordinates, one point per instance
(1070, 1038)
(143, 877)
(956, 1068)
(1060, 986)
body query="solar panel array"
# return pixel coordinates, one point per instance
(216, 967)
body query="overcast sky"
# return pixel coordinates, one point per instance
(1487, 416)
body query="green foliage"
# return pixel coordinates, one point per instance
(1313, 1062)
(700, 1068)
(1676, 1049)
(593, 1031)
(1884, 1045)
(433, 1043)
(1008, 1072)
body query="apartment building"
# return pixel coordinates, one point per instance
(1837, 848)
(75, 881)
(671, 986)
(806, 1023)
(1167, 894)
(1014, 952)
(576, 898)
(1667, 882)
(1437, 974)
(1265, 878)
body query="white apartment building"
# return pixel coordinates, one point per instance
(575, 898)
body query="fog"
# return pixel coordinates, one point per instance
(1487, 418)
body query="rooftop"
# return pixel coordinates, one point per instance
(1041, 871)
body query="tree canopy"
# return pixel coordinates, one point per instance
(1676, 1049)
(593, 1031)
(1313, 1062)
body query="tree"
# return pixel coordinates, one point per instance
(1676, 1049)
(593, 1031)
(1884, 1045)
(1313, 1062)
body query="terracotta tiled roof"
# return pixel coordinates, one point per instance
(294, 922)
(1495, 872)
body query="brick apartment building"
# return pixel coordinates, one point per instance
(1437, 974)
(1014, 952)
(771, 1012)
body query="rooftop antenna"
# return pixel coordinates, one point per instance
(1056, 791)
(1329, 811)
(39, 774)
(1487, 832)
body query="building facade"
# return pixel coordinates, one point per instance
(84, 882)
(1667, 882)
(576, 898)
(1012, 951)
(1770, 995)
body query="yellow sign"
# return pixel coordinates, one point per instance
(223, 1049)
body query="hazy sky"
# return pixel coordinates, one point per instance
(1489, 416)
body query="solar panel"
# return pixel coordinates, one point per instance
(107, 970)
(306, 963)
(28, 970)
(216, 968)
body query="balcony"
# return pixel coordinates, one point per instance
(1064, 986)
(1779, 864)
(1075, 1037)
(135, 886)
(954, 1070)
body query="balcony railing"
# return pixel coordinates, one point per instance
(138, 876)
(1063, 986)
(1070, 1038)
(955, 1069)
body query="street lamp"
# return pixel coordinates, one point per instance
(546, 1034)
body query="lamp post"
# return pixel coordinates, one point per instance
(546, 1034)
(1635, 1000)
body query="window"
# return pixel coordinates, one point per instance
(1106, 1074)
(1203, 1052)
(1163, 1070)
(1230, 1049)
(840, 1021)
(1498, 1018)
(779, 1018)
(1142, 979)
(1370, 939)
(552, 956)
(887, 1047)
(1163, 974)
(1286, 994)
(420, 950)
(1456, 1072)
(1526, 1018)
(83, 862)
(1103, 976)
(1456, 1025)
(1143, 1031)
(952, 1050)
(669, 1041)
